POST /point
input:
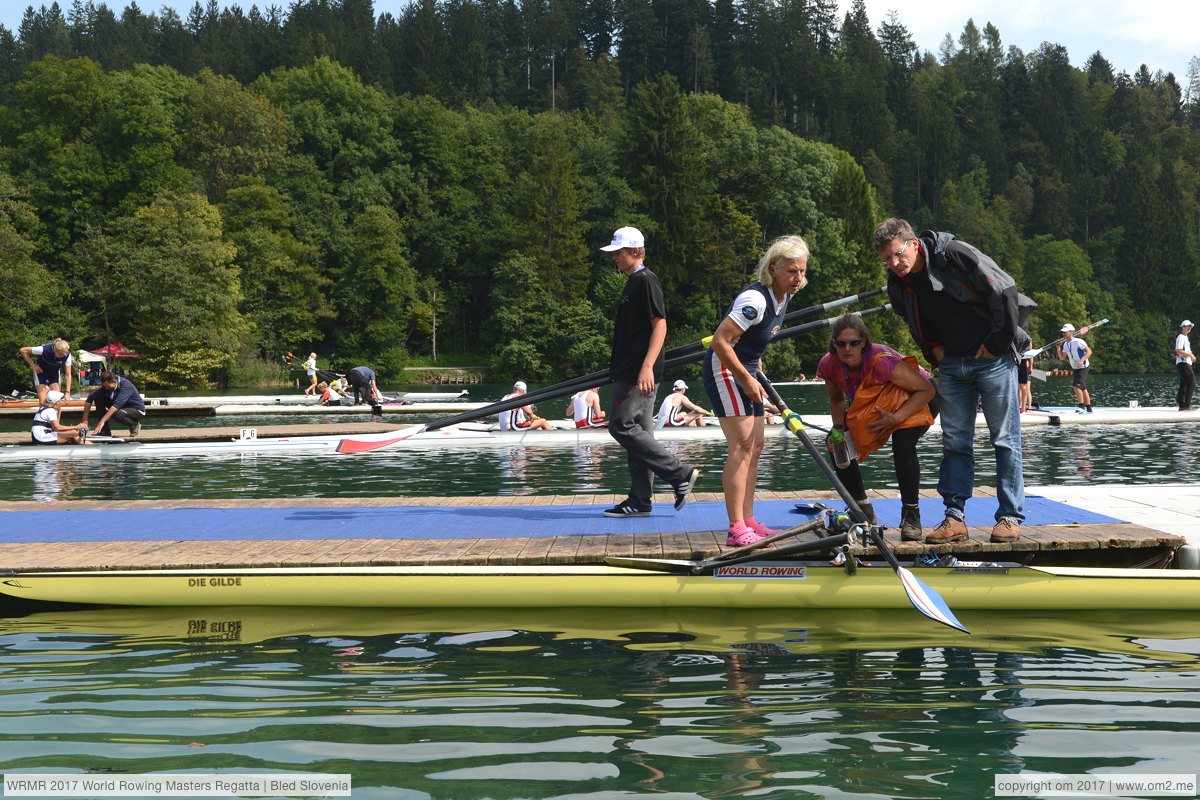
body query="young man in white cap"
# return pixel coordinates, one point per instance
(672, 413)
(522, 418)
(1183, 364)
(636, 366)
(1077, 353)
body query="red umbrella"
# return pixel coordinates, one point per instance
(114, 350)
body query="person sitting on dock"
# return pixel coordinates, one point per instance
(876, 393)
(521, 418)
(328, 395)
(1078, 355)
(362, 379)
(585, 409)
(116, 400)
(672, 413)
(52, 361)
(46, 426)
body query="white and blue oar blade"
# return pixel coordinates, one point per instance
(927, 601)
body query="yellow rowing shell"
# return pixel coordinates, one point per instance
(762, 584)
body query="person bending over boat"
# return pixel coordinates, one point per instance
(585, 409)
(521, 418)
(965, 314)
(46, 426)
(328, 395)
(362, 380)
(877, 393)
(678, 411)
(49, 363)
(636, 366)
(117, 400)
(730, 372)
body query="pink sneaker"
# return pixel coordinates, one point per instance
(763, 531)
(742, 537)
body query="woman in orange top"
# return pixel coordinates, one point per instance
(876, 393)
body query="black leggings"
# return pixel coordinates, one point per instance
(1187, 384)
(904, 458)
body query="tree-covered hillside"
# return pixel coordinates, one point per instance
(375, 187)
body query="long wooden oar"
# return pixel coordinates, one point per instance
(1057, 342)
(922, 596)
(351, 444)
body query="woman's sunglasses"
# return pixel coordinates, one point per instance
(848, 342)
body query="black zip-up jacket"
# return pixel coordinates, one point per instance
(977, 283)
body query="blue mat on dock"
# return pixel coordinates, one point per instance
(53, 523)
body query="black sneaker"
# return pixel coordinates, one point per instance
(684, 489)
(135, 429)
(626, 509)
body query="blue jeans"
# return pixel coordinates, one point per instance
(964, 383)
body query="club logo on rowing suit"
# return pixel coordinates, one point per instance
(749, 312)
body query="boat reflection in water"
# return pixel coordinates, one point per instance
(582, 702)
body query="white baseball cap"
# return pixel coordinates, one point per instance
(1187, 323)
(1067, 327)
(54, 397)
(625, 237)
(680, 385)
(520, 385)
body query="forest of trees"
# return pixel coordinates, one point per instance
(389, 190)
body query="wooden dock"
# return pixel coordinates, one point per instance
(1109, 544)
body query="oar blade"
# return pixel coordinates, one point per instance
(928, 601)
(353, 446)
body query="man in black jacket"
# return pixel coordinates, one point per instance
(964, 313)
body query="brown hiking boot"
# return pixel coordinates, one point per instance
(868, 510)
(951, 530)
(1006, 531)
(910, 524)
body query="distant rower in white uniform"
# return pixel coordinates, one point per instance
(585, 408)
(671, 413)
(521, 418)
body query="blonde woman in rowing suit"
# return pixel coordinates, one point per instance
(310, 367)
(671, 413)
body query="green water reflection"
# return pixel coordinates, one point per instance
(580, 703)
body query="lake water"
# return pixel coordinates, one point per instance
(581, 704)
(1068, 454)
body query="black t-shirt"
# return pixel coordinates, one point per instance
(641, 301)
(946, 321)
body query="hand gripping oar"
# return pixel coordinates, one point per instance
(352, 444)
(923, 597)
(849, 539)
(1057, 342)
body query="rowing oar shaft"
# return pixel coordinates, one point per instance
(923, 597)
(601, 378)
(1038, 351)
(587, 381)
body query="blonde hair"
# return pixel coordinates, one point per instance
(785, 248)
(61, 346)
